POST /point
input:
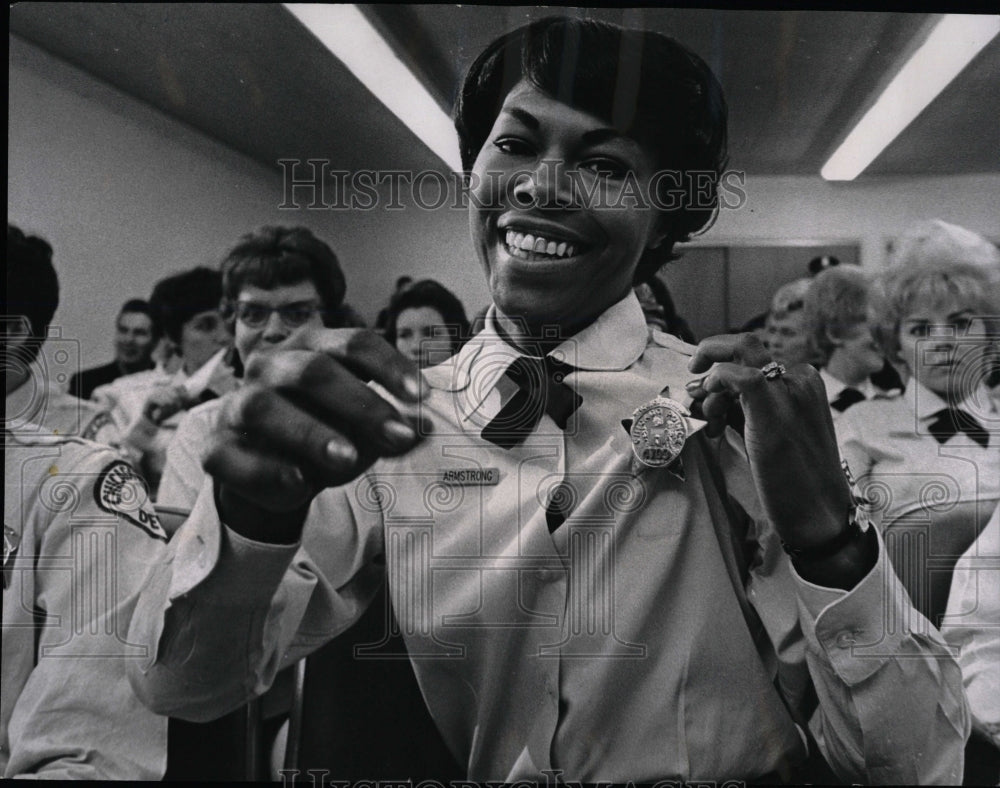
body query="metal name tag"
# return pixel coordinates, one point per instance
(471, 477)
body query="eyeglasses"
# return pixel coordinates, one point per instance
(255, 315)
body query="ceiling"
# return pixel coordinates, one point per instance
(250, 76)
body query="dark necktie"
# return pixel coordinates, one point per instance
(953, 420)
(846, 398)
(540, 389)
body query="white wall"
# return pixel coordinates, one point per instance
(127, 195)
(870, 210)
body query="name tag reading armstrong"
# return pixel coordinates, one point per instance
(471, 477)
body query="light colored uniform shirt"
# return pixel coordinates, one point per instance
(834, 388)
(38, 404)
(183, 475)
(145, 442)
(124, 396)
(79, 540)
(910, 475)
(617, 648)
(972, 624)
(936, 500)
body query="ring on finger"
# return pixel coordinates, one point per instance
(773, 369)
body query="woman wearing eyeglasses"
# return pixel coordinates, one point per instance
(277, 282)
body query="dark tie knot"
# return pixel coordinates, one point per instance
(541, 388)
(849, 396)
(950, 421)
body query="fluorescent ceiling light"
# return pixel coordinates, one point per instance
(345, 31)
(951, 45)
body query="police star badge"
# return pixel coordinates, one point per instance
(658, 432)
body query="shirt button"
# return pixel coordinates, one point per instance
(845, 639)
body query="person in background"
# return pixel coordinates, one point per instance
(937, 240)
(136, 335)
(756, 325)
(787, 335)
(402, 283)
(971, 624)
(79, 539)
(279, 283)
(930, 458)
(275, 284)
(658, 307)
(576, 603)
(841, 339)
(426, 322)
(147, 406)
(32, 397)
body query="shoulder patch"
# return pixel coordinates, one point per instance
(121, 491)
(666, 340)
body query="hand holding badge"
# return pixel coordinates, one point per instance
(658, 431)
(789, 436)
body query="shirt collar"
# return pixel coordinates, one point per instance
(835, 386)
(926, 403)
(27, 403)
(613, 342)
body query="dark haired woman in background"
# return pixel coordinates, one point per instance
(426, 322)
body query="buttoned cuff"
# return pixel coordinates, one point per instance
(850, 627)
(243, 571)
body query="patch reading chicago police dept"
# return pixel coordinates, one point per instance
(120, 490)
(471, 477)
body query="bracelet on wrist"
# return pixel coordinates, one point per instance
(857, 526)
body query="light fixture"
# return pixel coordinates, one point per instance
(952, 44)
(345, 31)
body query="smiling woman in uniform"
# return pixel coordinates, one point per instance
(582, 610)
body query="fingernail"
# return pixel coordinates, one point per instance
(411, 386)
(399, 433)
(692, 385)
(341, 452)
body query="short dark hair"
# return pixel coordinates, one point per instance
(142, 307)
(427, 292)
(178, 298)
(32, 285)
(274, 256)
(676, 106)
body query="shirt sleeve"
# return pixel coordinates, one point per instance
(853, 446)
(76, 716)
(102, 429)
(972, 626)
(890, 703)
(182, 474)
(228, 613)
